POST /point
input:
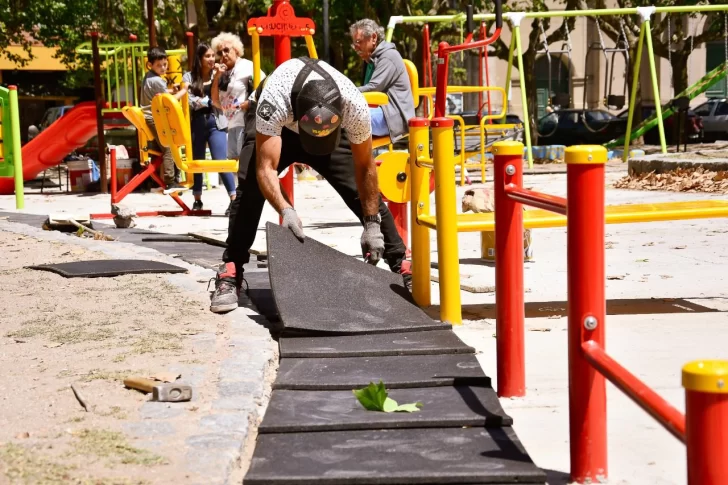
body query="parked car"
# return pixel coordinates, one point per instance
(578, 127)
(471, 118)
(693, 126)
(714, 114)
(51, 115)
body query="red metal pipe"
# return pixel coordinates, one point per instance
(443, 55)
(190, 50)
(536, 199)
(114, 182)
(399, 212)
(638, 391)
(509, 304)
(282, 53)
(707, 437)
(586, 307)
(484, 32)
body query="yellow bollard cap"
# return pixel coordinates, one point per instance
(585, 154)
(507, 148)
(706, 376)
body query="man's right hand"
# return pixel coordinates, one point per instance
(292, 222)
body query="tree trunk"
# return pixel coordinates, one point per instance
(637, 112)
(202, 25)
(680, 70)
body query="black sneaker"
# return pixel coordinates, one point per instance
(175, 187)
(406, 271)
(225, 297)
(197, 206)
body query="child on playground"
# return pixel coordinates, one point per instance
(155, 83)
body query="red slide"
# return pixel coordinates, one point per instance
(70, 132)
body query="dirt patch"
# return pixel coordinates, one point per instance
(679, 180)
(92, 333)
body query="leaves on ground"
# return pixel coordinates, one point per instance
(679, 180)
(374, 398)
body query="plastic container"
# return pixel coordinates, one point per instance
(487, 245)
(124, 171)
(79, 171)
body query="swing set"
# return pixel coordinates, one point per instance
(644, 14)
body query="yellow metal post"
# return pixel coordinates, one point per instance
(446, 216)
(255, 38)
(419, 150)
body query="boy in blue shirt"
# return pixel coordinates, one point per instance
(155, 83)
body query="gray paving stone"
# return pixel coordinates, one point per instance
(240, 388)
(225, 423)
(242, 403)
(242, 371)
(161, 410)
(230, 441)
(150, 429)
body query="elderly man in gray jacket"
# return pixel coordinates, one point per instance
(384, 71)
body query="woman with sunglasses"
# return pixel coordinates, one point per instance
(231, 86)
(208, 124)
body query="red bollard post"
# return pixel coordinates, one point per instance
(509, 305)
(282, 53)
(112, 162)
(706, 421)
(399, 213)
(587, 310)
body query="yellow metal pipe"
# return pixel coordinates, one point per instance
(419, 148)
(255, 40)
(460, 120)
(446, 215)
(311, 47)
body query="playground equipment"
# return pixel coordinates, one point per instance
(11, 156)
(585, 215)
(515, 18)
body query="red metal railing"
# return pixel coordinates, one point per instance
(704, 429)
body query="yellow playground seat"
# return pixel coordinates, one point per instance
(173, 128)
(136, 117)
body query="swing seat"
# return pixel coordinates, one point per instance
(146, 138)
(378, 99)
(174, 132)
(616, 101)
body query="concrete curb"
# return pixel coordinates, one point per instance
(662, 163)
(223, 438)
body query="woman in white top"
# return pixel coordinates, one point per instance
(231, 87)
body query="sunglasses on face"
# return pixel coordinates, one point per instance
(224, 50)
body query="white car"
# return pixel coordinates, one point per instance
(714, 113)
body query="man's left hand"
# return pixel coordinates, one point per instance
(372, 242)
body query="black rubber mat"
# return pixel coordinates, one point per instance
(319, 288)
(408, 343)
(442, 407)
(172, 238)
(108, 267)
(401, 456)
(396, 372)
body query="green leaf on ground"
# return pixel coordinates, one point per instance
(374, 398)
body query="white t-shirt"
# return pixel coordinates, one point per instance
(237, 92)
(274, 109)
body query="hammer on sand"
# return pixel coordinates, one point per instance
(161, 391)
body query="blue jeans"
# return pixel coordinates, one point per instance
(205, 132)
(379, 123)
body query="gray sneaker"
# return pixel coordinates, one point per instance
(225, 297)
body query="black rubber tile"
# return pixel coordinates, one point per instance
(321, 289)
(396, 372)
(108, 267)
(409, 343)
(443, 407)
(397, 456)
(172, 238)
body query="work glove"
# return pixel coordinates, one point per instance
(372, 242)
(292, 222)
